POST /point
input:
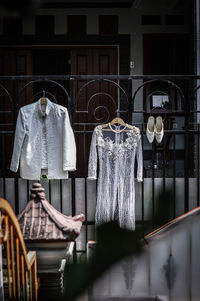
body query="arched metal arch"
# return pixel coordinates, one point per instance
(101, 107)
(48, 81)
(38, 93)
(8, 94)
(156, 80)
(191, 96)
(105, 80)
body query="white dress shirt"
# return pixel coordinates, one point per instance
(43, 140)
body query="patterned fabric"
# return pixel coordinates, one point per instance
(43, 140)
(115, 148)
(44, 146)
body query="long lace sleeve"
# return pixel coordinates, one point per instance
(18, 142)
(92, 165)
(139, 161)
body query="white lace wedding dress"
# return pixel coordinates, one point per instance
(115, 148)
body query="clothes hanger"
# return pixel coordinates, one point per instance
(115, 121)
(118, 120)
(43, 100)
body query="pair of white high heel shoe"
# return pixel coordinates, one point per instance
(155, 129)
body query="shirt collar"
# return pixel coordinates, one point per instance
(48, 108)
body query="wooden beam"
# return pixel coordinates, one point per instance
(89, 4)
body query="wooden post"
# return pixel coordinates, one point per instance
(13, 261)
(27, 287)
(23, 277)
(18, 269)
(8, 261)
(34, 280)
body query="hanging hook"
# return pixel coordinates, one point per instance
(43, 100)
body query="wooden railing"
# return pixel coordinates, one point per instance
(21, 266)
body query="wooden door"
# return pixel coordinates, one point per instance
(52, 61)
(97, 101)
(94, 61)
(12, 62)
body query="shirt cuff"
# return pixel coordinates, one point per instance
(13, 168)
(91, 178)
(69, 168)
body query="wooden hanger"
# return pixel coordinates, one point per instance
(43, 100)
(118, 120)
(115, 121)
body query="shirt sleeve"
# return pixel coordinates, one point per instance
(69, 145)
(139, 161)
(18, 142)
(92, 165)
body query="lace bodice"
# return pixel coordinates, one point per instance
(115, 148)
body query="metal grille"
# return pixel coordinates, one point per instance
(93, 100)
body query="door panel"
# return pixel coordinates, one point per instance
(52, 62)
(13, 62)
(96, 103)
